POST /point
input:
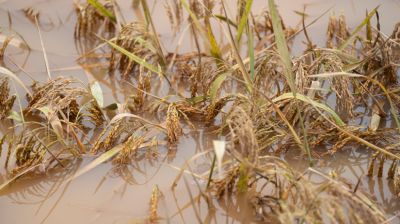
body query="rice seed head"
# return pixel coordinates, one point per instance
(6, 102)
(129, 149)
(154, 200)
(174, 129)
(91, 22)
(95, 114)
(135, 38)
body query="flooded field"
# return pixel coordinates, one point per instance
(183, 111)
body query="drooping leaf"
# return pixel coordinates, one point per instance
(139, 60)
(305, 99)
(99, 160)
(16, 78)
(8, 182)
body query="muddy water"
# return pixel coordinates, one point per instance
(103, 196)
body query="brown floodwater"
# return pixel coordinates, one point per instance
(103, 195)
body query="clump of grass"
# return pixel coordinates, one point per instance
(281, 195)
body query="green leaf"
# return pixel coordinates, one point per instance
(281, 44)
(359, 27)
(313, 103)
(251, 52)
(102, 10)
(243, 181)
(243, 20)
(138, 60)
(97, 93)
(15, 116)
(215, 85)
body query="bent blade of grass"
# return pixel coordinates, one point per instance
(359, 27)
(139, 60)
(393, 109)
(227, 20)
(215, 51)
(102, 10)
(207, 35)
(358, 139)
(8, 182)
(243, 20)
(194, 18)
(215, 85)
(99, 160)
(284, 54)
(314, 103)
(15, 77)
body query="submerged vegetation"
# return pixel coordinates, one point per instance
(250, 91)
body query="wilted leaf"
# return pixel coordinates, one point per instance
(374, 122)
(219, 148)
(97, 93)
(15, 116)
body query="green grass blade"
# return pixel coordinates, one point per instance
(359, 27)
(215, 51)
(215, 85)
(194, 18)
(149, 21)
(243, 20)
(102, 10)
(138, 60)
(306, 99)
(281, 44)
(227, 20)
(251, 51)
(284, 54)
